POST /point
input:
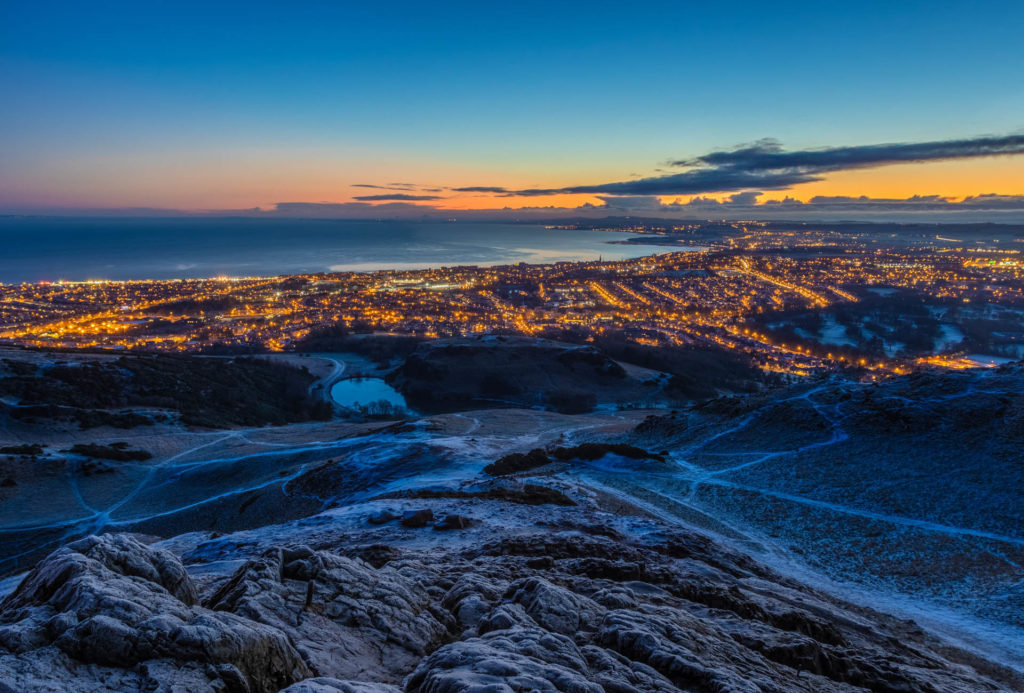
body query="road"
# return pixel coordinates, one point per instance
(323, 385)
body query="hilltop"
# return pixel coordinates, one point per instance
(749, 541)
(454, 594)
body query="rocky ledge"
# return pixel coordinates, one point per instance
(540, 610)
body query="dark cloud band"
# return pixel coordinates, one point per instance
(481, 189)
(767, 155)
(396, 197)
(764, 165)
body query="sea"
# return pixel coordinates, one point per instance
(34, 249)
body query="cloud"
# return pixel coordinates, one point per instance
(764, 165)
(349, 210)
(396, 197)
(742, 205)
(401, 187)
(745, 198)
(989, 202)
(768, 155)
(631, 203)
(687, 183)
(481, 189)
(745, 205)
(988, 208)
(995, 202)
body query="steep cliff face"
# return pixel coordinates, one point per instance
(568, 601)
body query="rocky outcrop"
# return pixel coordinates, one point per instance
(348, 619)
(329, 685)
(544, 610)
(665, 426)
(614, 615)
(113, 603)
(517, 659)
(555, 608)
(516, 462)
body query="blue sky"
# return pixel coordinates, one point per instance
(112, 104)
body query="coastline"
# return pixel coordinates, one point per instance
(125, 249)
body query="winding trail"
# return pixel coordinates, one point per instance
(692, 476)
(468, 448)
(890, 518)
(463, 455)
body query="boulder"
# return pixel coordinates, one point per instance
(415, 519)
(382, 517)
(452, 521)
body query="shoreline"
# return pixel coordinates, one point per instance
(117, 250)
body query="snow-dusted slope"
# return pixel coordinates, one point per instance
(593, 596)
(354, 558)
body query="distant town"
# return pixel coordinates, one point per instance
(795, 300)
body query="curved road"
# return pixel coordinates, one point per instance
(323, 385)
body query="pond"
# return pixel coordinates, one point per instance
(354, 392)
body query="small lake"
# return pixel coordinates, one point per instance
(353, 392)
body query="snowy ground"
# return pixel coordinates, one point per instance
(924, 519)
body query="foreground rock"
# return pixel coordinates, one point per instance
(110, 610)
(542, 610)
(347, 619)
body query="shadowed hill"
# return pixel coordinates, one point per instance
(448, 375)
(211, 392)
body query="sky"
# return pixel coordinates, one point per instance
(372, 109)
